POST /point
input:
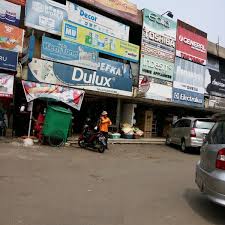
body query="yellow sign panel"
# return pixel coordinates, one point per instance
(99, 41)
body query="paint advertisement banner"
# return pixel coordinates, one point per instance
(215, 83)
(69, 53)
(120, 8)
(70, 96)
(111, 77)
(97, 22)
(11, 38)
(45, 15)
(154, 67)
(190, 75)
(191, 43)
(18, 2)
(215, 103)
(8, 60)
(155, 89)
(190, 98)
(99, 41)
(6, 85)
(158, 36)
(10, 13)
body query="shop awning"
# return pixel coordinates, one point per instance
(70, 96)
(6, 85)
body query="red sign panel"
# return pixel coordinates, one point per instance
(18, 2)
(191, 43)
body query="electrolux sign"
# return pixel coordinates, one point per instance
(185, 97)
(111, 76)
(8, 60)
(191, 43)
(97, 22)
(69, 53)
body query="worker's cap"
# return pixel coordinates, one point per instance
(104, 113)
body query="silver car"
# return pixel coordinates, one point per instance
(210, 170)
(189, 132)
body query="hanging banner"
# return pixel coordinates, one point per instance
(155, 89)
(6, 85)
(120, 8)
(18, 2)
(189, 76)
(190, 98)
(111, 76)
(215, 83)
(45, 15)
(8, 60)
(191, 43)
(95, 21)
(11, 38)
(216, 103)
(70, 96)
(157, 46)
(154, 67)
(69, 53)
(99, 41)
(9, 13)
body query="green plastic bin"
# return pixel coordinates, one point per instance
(57, 120)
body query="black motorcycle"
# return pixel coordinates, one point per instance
(91, 138)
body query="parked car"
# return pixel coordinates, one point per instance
(189, 132)
(210, 170)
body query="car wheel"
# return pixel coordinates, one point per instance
(183, 146)
(168, 140)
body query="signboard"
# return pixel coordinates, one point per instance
(99, 41)
(215, 83)
(190, 98)
(69, 53)
(120, 8)
(9, 13)
(216, 103)
(158, 45)
(8, 60)
(70, 96)
(190, 75)
(154, 67)
(45, 15)
(155, 89)
(6, 85)
(111, 77)
(11, 38)
(213, 63)
(18, 2)
(97, 22)
(191, 43)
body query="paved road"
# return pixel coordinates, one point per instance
(129, 185)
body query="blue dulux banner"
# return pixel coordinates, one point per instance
(111, 76)
(8, 60)
(69, 53)
(185, 97)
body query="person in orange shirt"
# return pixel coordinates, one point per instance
(104, 124)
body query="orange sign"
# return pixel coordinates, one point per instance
(18, 2)
(11, 38)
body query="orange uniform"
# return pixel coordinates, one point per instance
(104, 124)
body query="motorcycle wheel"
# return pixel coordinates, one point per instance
(81, 143)
(101, 149)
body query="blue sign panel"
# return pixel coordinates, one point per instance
(69, 53)
(185, 97)
(111, 76)
(45, 15)
(8, 60)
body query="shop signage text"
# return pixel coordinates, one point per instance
(99, 41)
(97, 22)
(69, 53)
(8, 60)
(10, 13)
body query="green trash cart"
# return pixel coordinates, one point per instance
(56, 125)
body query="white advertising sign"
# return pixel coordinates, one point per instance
(6, 85)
